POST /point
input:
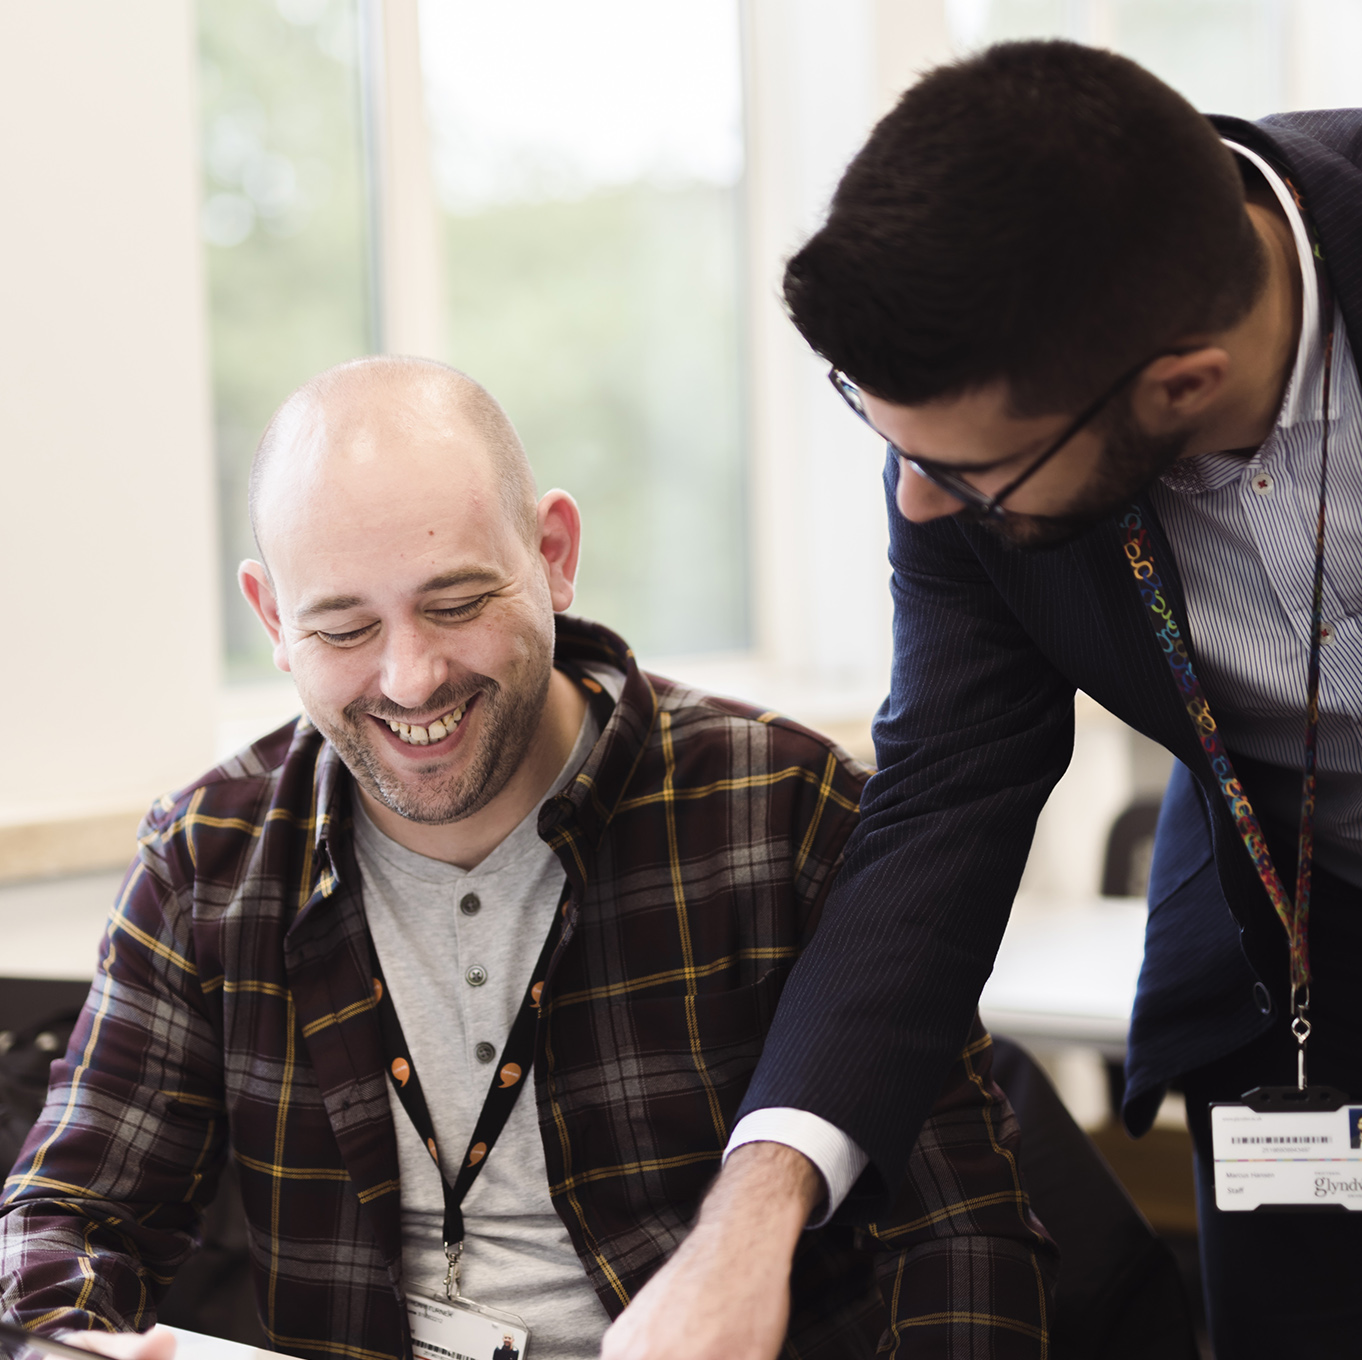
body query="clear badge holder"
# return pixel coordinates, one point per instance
(1288, 1149)
(459, 1329)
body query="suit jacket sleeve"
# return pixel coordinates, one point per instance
(977, 729)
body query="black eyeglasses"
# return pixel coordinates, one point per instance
(954, 483)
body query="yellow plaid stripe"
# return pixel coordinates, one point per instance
(605, 1173)
(338, 1017)
(750, 781)
(774, 953)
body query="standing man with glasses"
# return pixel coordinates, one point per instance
(1109, 343)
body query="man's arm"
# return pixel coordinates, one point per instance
(977, 729)
(104, 1202)
(726, 1291)
(961, 1213)
(836, 1158)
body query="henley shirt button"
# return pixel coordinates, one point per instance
(1262, 998)
(485, 1052)
(1262, 484)
(470, 906)
(476, 975)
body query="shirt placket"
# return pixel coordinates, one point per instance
(1284, 541)
(1281, 509)
(481, 991)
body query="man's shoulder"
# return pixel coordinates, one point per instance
(746, 740)
(1339, 130)
(1301, 137)
(273, 780)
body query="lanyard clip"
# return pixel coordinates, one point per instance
(1300, 1027)
(452, 1255)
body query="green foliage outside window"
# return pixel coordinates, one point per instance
(285, 231)
(604, 320)
(606, 326)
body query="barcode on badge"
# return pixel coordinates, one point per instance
(1295, 1139)
(440, 1350)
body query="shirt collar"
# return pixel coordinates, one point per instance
(1304, 397)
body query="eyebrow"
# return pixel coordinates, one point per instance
(464, 576)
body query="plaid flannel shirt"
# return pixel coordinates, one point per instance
(233, 1015)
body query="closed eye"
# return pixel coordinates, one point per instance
(457, 613)
(347, 639)
(450, 614)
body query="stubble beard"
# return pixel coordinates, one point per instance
(1131, 460)
(508, 718)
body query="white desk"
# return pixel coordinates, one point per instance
(51, 928)
(1066, 974)
(196, 1346)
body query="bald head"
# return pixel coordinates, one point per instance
(406, 419)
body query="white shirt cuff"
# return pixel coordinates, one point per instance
(835, 1154)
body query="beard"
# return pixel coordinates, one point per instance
(508, 717)
(1131, 459)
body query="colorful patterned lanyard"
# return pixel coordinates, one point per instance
(1294, 916)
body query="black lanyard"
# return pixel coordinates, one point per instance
(517, 1058)
(1294, 915)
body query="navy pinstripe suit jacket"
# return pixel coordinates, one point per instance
(989, 646)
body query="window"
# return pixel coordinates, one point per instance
(1245, 57)
(285, 229)
(588, 161)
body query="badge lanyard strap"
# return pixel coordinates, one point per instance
(1294, 916)
(517, 1058)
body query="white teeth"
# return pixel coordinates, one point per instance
(438, 731)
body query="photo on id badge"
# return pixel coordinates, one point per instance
(1355, 1125)
(460, 1329)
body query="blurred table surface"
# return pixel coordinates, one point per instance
(1065, 973)
(196, 1346)
(51, 928)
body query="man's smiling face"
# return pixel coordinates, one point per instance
(414, 616)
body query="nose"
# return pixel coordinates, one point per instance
(919, 500)
(413, 667)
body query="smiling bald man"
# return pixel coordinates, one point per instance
(493, 854)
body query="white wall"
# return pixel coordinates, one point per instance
(110, 678)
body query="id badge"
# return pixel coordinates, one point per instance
(1281, 1148)
(459, 1329)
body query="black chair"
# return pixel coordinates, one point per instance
(1120, 1295)
(1130, 848)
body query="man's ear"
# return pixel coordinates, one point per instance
(256, 586)
(560, 545)
(1176, 388)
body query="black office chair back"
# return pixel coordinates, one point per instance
(1119, 1295)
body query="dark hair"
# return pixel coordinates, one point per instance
(1042, 212)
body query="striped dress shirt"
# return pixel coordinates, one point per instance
(1243, 534)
